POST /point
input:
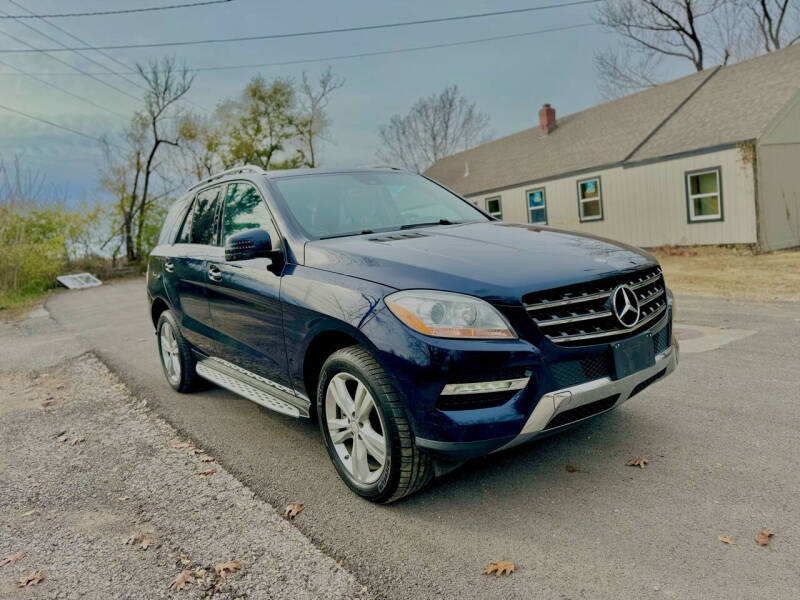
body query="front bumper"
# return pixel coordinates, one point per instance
(568, 399)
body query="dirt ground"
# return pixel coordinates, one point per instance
(732, 272)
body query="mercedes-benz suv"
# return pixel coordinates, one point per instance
(416, 329)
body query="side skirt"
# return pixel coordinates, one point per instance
(260, 390)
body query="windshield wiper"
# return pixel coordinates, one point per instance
(439, 222)
(348, 234)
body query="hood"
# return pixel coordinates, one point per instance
(497, 261)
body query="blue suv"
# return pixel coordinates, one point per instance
(416, 329)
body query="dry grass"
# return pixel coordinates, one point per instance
(732, 272)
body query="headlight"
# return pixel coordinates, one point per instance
(449, 315)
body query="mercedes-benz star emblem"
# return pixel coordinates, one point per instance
(625, 305)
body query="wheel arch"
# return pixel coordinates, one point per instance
(158, 306)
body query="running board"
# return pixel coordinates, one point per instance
(260, 390)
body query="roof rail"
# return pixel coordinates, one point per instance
(243, 169)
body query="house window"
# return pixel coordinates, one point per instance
(537, 207)
(494, 208)
(590, 200)
(704, 195)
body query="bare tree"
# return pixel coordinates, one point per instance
(130, 175)
(435, 127)
(166, 84)
(701, 33)
(313, 125)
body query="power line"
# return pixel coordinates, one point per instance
(68, 65)
(83, 55)
(276, 36)
(64, 127)
(365, 54)
(62, 90)
(117, 12)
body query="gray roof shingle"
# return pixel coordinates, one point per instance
(706, 109)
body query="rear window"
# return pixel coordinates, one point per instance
(329, 205)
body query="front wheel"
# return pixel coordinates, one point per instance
(366, 430)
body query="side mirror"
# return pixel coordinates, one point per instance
(253, 243)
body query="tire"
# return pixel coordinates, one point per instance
(177, 360)
(405, 467)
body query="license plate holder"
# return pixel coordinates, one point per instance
(633, 355)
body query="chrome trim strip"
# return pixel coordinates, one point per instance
(568, 301)
(648, 281)
(602, 334)
(552, 403)
(652, 296)
(590, 316)
(451, 389)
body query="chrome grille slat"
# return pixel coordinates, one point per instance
(580, 313)
(594, 315)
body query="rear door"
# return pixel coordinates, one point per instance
(188, 267)
(245, 297)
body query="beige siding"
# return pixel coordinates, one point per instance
(646, 205)
(779, 183)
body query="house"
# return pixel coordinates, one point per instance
(712, 158)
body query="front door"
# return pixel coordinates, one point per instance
(188, 270)
(245, 296)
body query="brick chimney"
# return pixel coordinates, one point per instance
(547, 118)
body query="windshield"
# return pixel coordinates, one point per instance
(338, 204)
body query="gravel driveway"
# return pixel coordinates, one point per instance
(102, 503)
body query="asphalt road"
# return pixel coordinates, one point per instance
(721, 434)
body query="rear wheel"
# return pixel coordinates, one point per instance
(175, 353)
(366, 430)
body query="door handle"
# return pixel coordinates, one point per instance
(214, 273)
(169, 267)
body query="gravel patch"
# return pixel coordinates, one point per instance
(87, 473)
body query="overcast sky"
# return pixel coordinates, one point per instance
(509, 79)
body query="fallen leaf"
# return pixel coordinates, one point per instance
(29, 512)
(499, 568)
(637, 462)
(231, 566)
(725, 539)
(294, 509)
(207, 458)
(572, 469)
(12, 558)
(208, 472)
(30, 578)
(145, 540)
(181, 580)
(77, 441)
(762, 539)
(63, 438)
(179, 445)
(47, 403)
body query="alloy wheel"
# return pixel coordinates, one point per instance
(356, 428)
(170, 355)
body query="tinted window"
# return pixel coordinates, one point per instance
(244, 209)
(171, 221)
(348, 203)
(204, 217)
(184, 235)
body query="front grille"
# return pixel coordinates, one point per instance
(578, 315)
(581, 412)
(661, 340)
(573, 372)
(473, 401)
(643, 384)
